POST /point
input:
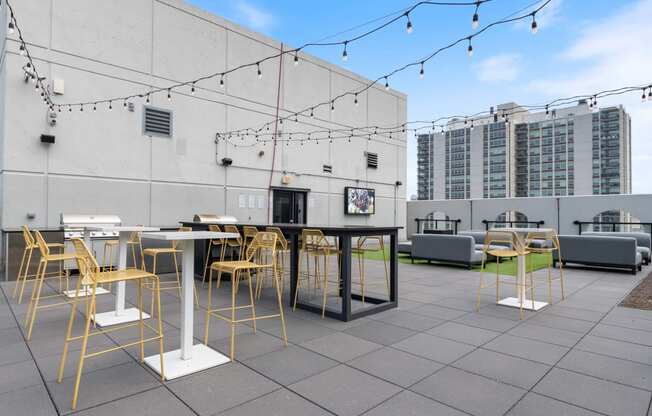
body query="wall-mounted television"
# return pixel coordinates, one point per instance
(359, 201)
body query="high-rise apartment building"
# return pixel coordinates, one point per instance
(517, 153)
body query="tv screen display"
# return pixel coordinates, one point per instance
(360, 201)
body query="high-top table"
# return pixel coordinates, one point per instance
(120, 315)
(529, 304)
(344, 234)
(189, 358)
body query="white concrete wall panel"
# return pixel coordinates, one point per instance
(24, 193)
(171, 203)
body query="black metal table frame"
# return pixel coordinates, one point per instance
(344, 236)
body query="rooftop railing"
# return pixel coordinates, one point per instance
(500, 224)
(616, 226)
(425, 226)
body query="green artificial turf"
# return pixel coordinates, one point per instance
(507, 267)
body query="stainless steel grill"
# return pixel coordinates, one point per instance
(74, 225)
(214, 219)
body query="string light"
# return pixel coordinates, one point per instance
(333, 106)
(475, 21)
(110, 105)
(296, 59)
(10, 27)
(260, 73)
(21, 49)
(469, 50)
(355, 100)
(95, 107)
(386, 84)
(408, 27)
(192, 89)
(421, 71)
(345, 55)
(169, 94)
(222, 81)
(312, 112)
(534, 27)
(147, 99)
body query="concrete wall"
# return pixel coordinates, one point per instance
(102, 163)
(556, 212)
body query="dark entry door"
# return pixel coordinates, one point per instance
(289, 207)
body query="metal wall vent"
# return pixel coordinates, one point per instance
(157, 122)
(372, 160)
(328, 169)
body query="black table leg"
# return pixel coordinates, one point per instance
(345, 245)
(393, 267)
(294, 266)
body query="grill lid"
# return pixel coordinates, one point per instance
(77, 220)
(214, 219)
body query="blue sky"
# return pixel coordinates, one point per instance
(581, 47)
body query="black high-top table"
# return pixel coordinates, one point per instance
(351, 305)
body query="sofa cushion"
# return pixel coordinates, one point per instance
(645, 252)
(405, 247)
(476, 257)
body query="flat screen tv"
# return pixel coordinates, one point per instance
(359, 201)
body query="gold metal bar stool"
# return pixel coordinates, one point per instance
(315, 244)
(26, 260)
(172, 285)
(211, 243)
(503, 245)
(546, 242)
(92, 275)
(281, 250)
(233, 243)
(36, 298)
(361, 248)
(261, 243)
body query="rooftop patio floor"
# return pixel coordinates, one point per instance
(434, 355)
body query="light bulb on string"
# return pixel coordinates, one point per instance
(147, 99)
(408, 26)
(169, 95)
(110, 105)
(124, 104)
(345, 55)
(70, 109)
(59, 109)
(192, 89)
(81, 107)
(355, 99)
(333, 105)
(475, 21)
(643, 97)
(386, 84)
(421, 71)
(534, 27)
(649, 93)
(94, 106)
(21, 49)
(469, 50)
(296, 59)
(260, 73)
(10, 27)
(312, 112)
(222, 81)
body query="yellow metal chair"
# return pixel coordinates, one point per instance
(314, 244)
(248, 234)
(26, 260)
(234, 243)
(546, 242)
(503, 245)
(361, 249)
(36, 298)
(109, 246)
(281, 250)
(219, 242)
(92, 275)
(170, 285)
(263, 246)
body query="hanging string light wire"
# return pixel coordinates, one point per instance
(29, 68)
(385, 78)
(476, 119)
(220, 75)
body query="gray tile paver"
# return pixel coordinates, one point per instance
(380, 332)
(407, 403)
(434, 348)
(463, 333)
(527, 348)
(536, 405)
(345, 391)
(595, 394)
(281, 402)
(340, 346)
(156, 402)
(289, 365)
(469, 392)
(32, 401)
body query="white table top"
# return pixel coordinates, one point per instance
(123, 228)
(188, 235)
(523, 230)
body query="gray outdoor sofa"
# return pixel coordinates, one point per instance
(643, 241)
(452, 249)
(598, 250)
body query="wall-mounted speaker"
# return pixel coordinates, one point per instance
(47, 138)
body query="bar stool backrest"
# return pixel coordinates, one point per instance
(29, 238)
(216, 229)
(175, 243)
(363, 240)
(312, 239)
(88, 266)
(134, 237)
(249, 233)
(508, 238)
(280, 238)
(264, 242)
(233, 242)
(42, 245)
(546, 235)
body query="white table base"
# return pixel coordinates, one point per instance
(203, 358)
(114, 318)
(85, 291)
(527, 303)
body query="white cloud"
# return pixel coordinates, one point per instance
(612, 53)
(254, 17)
(499, 68)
